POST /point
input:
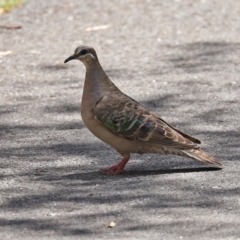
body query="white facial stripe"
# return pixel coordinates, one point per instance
(88, 55)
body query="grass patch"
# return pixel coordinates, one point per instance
(8, 5)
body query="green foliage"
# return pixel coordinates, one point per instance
(8, 5)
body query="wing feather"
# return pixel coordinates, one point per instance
(127, 118)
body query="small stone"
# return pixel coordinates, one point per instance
(111, 224)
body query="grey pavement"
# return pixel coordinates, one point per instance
(181, 59)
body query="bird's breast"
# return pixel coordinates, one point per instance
(122, 145)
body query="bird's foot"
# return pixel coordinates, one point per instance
(118, 168)
(113, 170)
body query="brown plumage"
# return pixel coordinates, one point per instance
(125, 124)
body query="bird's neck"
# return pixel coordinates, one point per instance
(97, 84)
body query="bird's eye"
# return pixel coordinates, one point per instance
(83, 52)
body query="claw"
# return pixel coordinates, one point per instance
(118, 168)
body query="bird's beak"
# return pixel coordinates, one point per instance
(72, 57)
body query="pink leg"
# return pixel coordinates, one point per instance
(118, 168)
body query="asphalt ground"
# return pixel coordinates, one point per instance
(178, 58)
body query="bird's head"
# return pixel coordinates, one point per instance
(85, 54)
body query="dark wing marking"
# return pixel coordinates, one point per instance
(127, 118)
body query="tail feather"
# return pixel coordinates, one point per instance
(202, 156)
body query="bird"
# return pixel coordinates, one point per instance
(125, 124)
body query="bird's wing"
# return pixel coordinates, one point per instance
(127, 118)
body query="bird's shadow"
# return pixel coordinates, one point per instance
(93, 175)
(170, 171)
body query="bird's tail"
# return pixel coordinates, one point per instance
(202, 156)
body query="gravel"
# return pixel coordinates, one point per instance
(178, 58)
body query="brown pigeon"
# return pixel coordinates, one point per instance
(123, 123)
